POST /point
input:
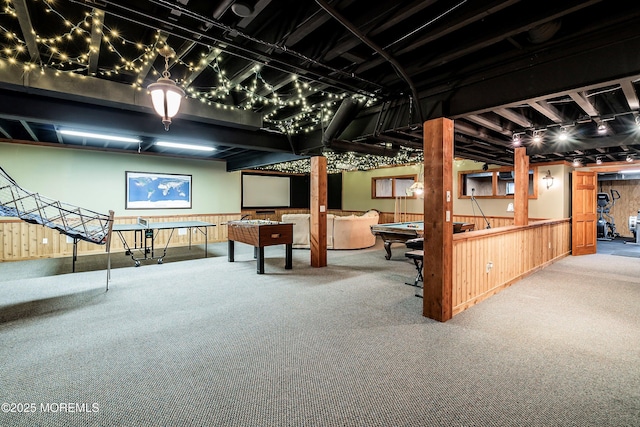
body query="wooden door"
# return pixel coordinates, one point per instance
(584, 219)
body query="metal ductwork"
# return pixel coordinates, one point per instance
(356, 147)
(347, 111)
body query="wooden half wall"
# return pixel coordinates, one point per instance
(21, 241)
(487, 261)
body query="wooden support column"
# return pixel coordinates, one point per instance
(438, 219)
(318, 211)
(521, 194)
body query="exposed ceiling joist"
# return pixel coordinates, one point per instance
(29, 130)
(5, 133)
(584, 103)
(29, 34)
(547, 110)
(147, 65)
(482, 121)
(202, 65)
(516, 118)
(630, 94)
(97, 26)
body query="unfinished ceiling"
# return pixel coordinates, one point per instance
(269, 81)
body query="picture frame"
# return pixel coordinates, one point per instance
(152, 190)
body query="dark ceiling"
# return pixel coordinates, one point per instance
(269, 81)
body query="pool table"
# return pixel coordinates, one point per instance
(400, 232)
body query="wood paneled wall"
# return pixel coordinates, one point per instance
(628, 204)
(22, 241)
(487, 261)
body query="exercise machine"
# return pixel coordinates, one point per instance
(606, 223)
(633, 227)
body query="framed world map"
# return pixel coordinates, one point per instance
(146, 190)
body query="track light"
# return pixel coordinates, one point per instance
(629, 158)
(602, 128)
(598, 160)
(537, 136)
(517, 139)
(577, 162)
(564, 135)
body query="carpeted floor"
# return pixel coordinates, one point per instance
(204, 342)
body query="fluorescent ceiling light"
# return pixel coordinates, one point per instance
(630, 171)
(184, 146)
(99, 136)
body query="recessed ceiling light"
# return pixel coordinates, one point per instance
(102, 136)
(184, 146)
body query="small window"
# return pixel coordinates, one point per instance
(495, 184)
(392, 186)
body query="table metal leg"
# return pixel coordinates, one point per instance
(230, 248)
(75, 254)
(288, 257)
(260, 260)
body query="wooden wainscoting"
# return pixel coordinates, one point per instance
(22, 241)
(487, 261)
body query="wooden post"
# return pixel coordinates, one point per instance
(521, 195)
(318, 244)
(438, 219)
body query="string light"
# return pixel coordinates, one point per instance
(259, 94)
(340, 162)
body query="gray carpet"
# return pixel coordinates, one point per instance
(204, 342)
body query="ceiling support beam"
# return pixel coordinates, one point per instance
(96, 40)
(202, 65)
(631, 95)
(488, 124)
(40, 109)
(146, 67)
(5, 133)
(547, 110)
(584, 103)
(546, 15)
(24, 19)
(516, 118)
(30, 131)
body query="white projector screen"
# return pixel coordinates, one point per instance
(265, 191)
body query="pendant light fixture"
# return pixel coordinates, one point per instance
(165, 94)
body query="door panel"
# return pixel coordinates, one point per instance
(584, 219)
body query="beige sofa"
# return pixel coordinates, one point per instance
(343, 232)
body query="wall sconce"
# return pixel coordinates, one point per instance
(510, 207)
(548, 179)
(417, 188)
(165, 94)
